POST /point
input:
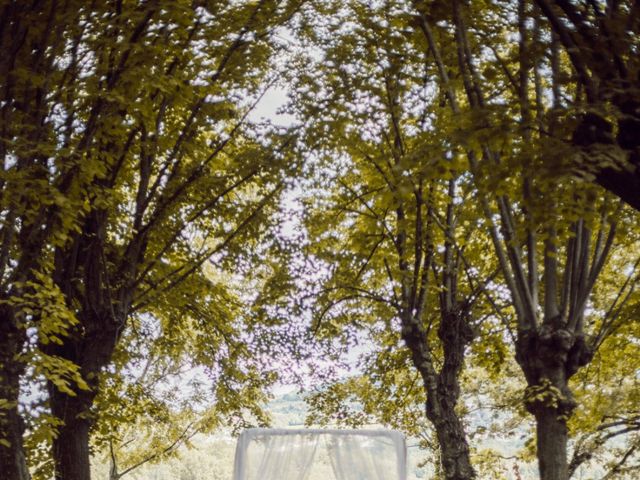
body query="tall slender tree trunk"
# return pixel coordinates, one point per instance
(454, 449)
(12, 459)
(443, 389)
(455, 335)
(551, 443)
(71, 446)
(92, 352)
(549, 357)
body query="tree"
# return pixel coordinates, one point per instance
(601, 41)
(150, 133)
(37, 208)
(389, 217)
(572, 229)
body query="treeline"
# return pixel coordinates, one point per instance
(467, 181)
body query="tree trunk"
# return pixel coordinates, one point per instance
(101, 316)
(92, 353)
(552, 434)
(443, 388)
(455, 334)
(549, 357)
(454, 449)
(12, 459)
(71, 446)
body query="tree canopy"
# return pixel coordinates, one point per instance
(455, 203)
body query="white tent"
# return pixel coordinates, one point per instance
(278, 454)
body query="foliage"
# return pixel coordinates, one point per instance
(444, 174)
(382, 118)
(155, 183)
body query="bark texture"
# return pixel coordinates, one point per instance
(549, 357)
(70, 451)
(71, 446)
(455, 335)
(551, 445)
(443, 390)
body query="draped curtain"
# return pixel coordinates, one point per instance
(271, 454)
(287, 456)
(357, 458)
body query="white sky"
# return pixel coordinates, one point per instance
(267, 108)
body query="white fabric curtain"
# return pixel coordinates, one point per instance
(271, 454)
(275, 457)
(360, 458)
(287, 456)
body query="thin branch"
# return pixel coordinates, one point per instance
(182, 438)
(188, 268)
